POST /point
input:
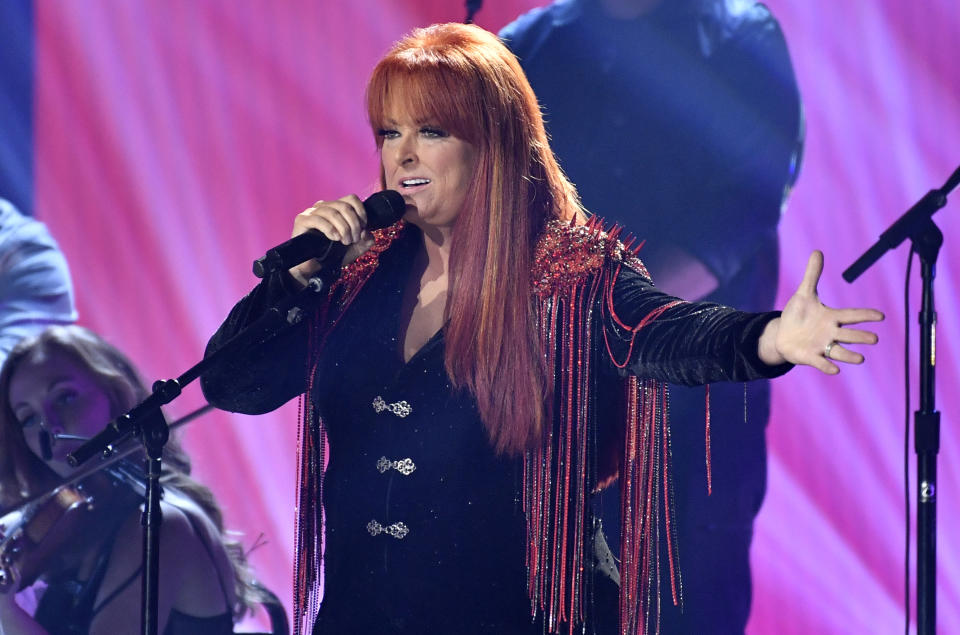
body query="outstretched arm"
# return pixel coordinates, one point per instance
(811, 333)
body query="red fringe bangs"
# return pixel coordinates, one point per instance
(442, 90)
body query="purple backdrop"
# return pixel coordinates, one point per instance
(175, 142)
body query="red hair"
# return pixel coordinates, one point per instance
(467, 81)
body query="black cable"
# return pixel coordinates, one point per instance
(906, 438)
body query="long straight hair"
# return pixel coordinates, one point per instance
(465, 80)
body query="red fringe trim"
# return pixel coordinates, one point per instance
(707, 441)
(573, 265)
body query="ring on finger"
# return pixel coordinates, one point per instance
(828, 348)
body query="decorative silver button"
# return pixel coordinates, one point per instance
(399, 408)
(397, 530)
(404, 466)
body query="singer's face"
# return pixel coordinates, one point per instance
(51, 393)
(429, 166)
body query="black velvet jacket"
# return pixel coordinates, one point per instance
(424, 524)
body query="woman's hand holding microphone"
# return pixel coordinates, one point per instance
(348, 221)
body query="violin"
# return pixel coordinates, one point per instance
(34, 534)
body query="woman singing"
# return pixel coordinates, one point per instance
(484, 366)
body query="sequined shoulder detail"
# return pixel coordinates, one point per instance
(360, 269)
(567, 254)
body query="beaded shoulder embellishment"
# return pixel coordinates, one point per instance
(359, 269)
(567, 254)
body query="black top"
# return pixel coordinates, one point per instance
(425, 529)
(68, 605)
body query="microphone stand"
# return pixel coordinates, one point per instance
(147, 422)
(917, 224)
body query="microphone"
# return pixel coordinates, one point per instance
(383, 209)
(47, 441)
(46, 445)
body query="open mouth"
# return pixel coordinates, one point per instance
(409, 183)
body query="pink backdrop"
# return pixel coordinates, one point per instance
(175, 141)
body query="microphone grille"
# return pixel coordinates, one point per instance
(384, 209)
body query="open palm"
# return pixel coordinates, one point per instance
(813, 334)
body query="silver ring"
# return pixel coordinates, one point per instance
(828, 348)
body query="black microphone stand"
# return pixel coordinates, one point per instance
(146, 421)
(917, 224)
(926, 429)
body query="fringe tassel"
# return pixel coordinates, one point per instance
(646, 507)
(559, 475)
(707, 442)
(308, 563)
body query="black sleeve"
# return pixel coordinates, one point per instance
(654, 335)
(263, 377)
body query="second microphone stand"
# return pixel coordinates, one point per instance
(146, 421)
(917, 225)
